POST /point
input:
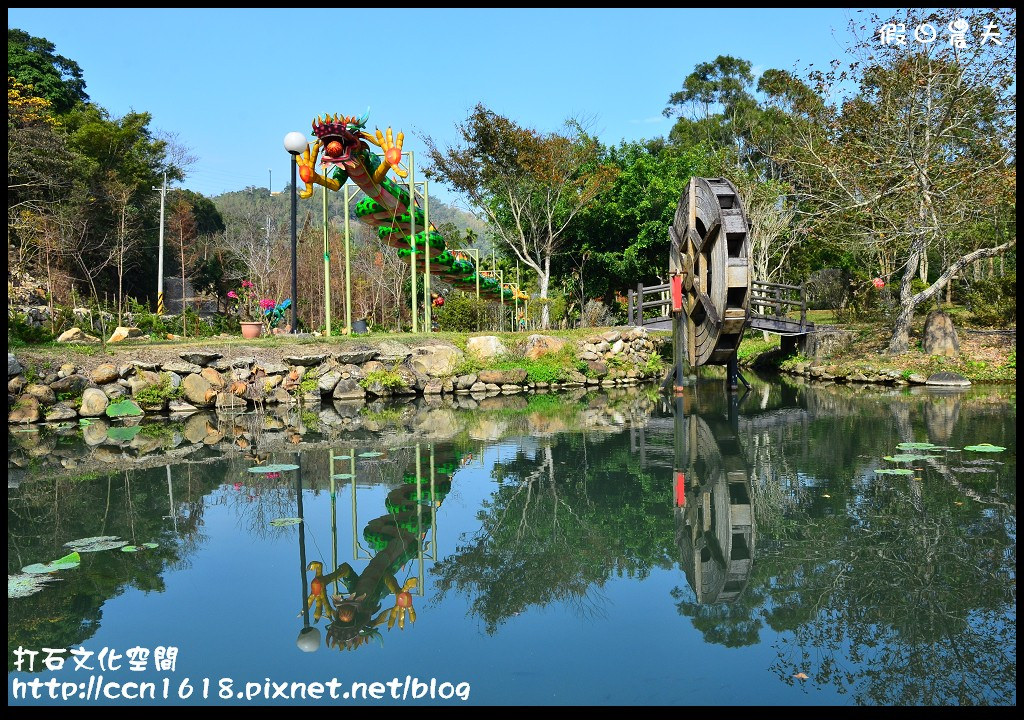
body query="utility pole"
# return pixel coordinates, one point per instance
(160, 257)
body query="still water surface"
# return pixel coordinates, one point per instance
(603, 548)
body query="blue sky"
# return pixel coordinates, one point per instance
(231, 83)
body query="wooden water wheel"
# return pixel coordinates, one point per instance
(710, 254)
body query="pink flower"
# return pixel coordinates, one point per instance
(232, 294)
(247, 284)
(267, 303)
(878, 283)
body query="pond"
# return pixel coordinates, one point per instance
(791, 545)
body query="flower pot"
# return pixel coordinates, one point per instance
(252, 330)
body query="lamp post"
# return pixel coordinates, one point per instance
(294, 143)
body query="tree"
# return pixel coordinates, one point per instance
(528, 185)
(182, 227)
(33, 62)
(922, 147)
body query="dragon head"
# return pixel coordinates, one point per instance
(341, 136)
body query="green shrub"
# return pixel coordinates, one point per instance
(993, 301)
(159, 393)
(21, 332)
(387, 378)
(554, 367)
(461, 313)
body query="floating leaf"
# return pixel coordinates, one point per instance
(23, 585)
(273, 468)
(906, 457)
(139, 548)
(84, 422)
(915, 446)
(342, 457)
(282, 522)
(123, 433)
(984, 447)
(150, 545)
(67, 562)
(96, 544)
(343, 476)
(894, 471)
(370, 454)
(130, 548)
(123, 408)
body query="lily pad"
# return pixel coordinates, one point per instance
(342, 457)
(96, 544)
(984, 447)
(137, 548)
(343, 476)
(370, 454)
(273, 468)
(123, 433)
(894, 471)
(67, 562)
(83, 422)
(23, 584)
(282, 522)
(123, 408)
(906, 457)
(915, 446)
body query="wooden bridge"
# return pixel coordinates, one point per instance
(772, 308)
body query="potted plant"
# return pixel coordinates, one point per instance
(254, 312)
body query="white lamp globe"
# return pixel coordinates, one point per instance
(294, 142)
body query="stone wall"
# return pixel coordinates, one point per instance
(190, 380)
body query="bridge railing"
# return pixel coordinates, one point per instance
(646, 298)
(772, 303)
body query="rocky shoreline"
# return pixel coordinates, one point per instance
(191, 380)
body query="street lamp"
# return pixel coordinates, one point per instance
(294, 143)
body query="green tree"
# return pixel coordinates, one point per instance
(34, 63)
(529, 185)
(923, 146)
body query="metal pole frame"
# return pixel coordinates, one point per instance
(348, 256)
(412, 236)
(295, 220)
(327, 271)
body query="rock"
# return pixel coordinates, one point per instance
(510, 389)
(230, 401)
(917, 379)
(514, 376)
(60, 411)
(13, 366)
(179, 406)
(66, 370)
(244, 361)
(182, 367)
(94, 402)
(26, 410)
(113, 391)
(304, 360)
(436, 360)
(947, 379)
(598, 369)
(465, 382)
(16, 384)
(939, 337)
(42, 393)
(274, 368)
(348, 389)
(617, 347)
(77, 335)
(355, 355)
(104, 374)
(371, 366)
(492, 387)
(142, 380)
(538, 345)
(611, 336)
(122, 333)
(282, 397)
(213, 377)
(271, 381)
(198, 390)
(433, 386)
(72, 384)
(391, 352)
(823, 343)
(328, 381)
(485, 347)
(350, 372)
(200, 357)
(478, 387)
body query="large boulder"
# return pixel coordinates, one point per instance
(122, 333)
(390, 352)
(42, 393)
(13, 366)
(77, 335)
(198, 390)
(26, 410)
(514, 376)
(94, 402)
(537, 345)
(348, 389)
(355, 355)
(436, 360)
(939, 336)
(200, 357)
(485, 347)
(104, 374)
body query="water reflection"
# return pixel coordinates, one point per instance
(758, 525)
